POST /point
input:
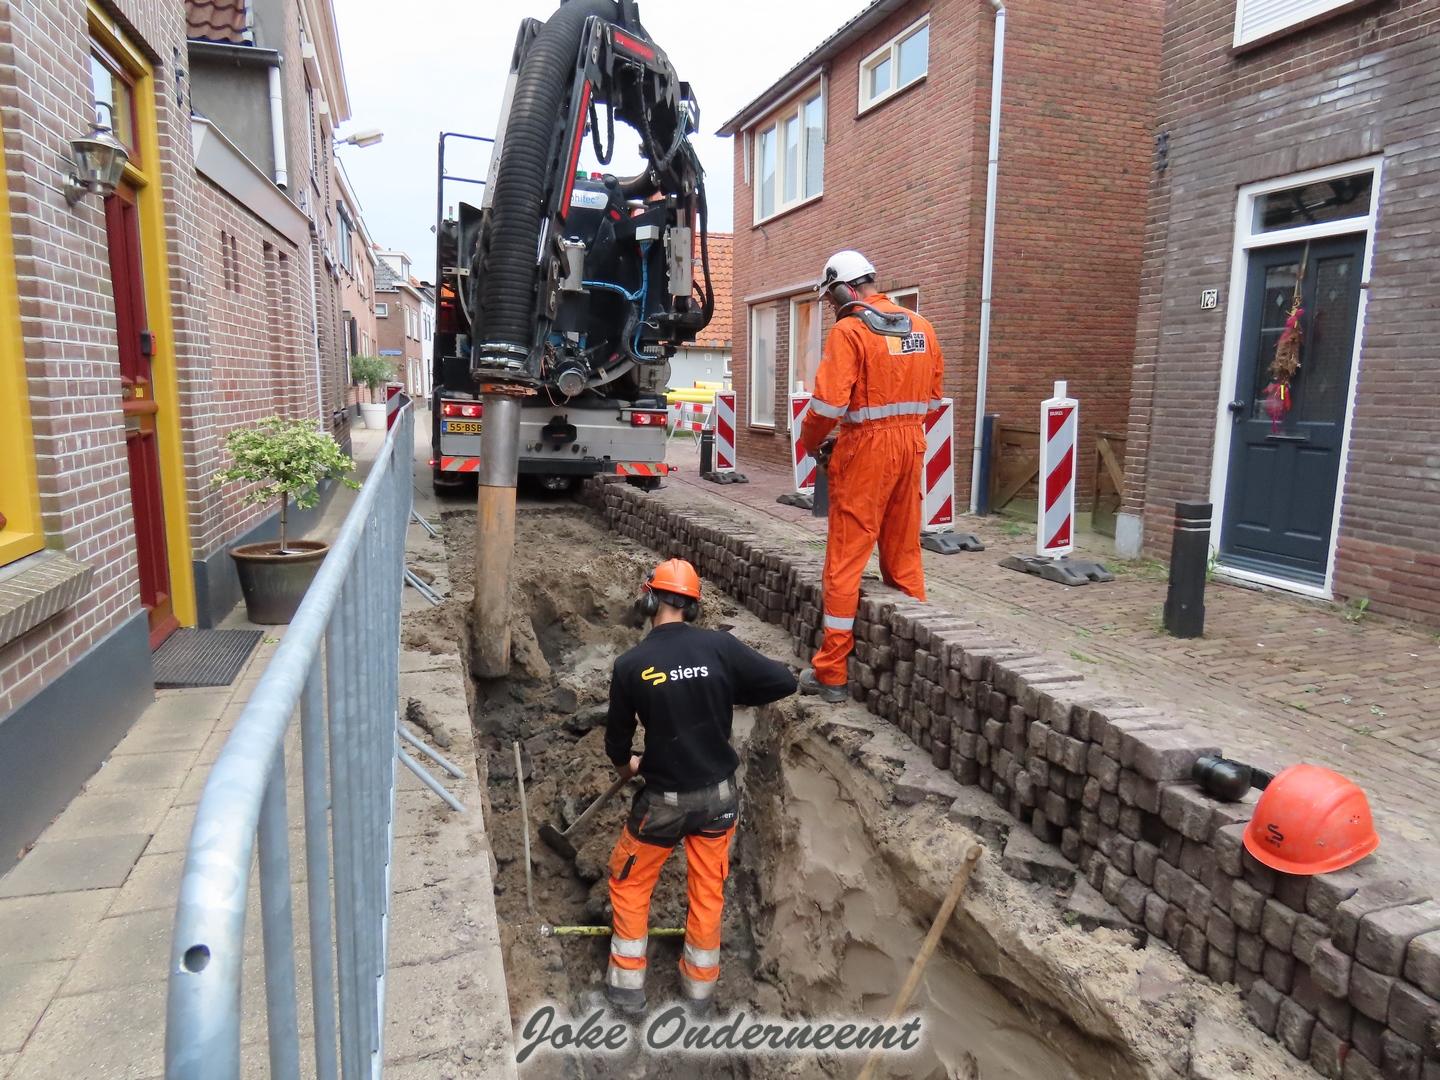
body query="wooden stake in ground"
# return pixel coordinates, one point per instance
(525, 823)
(932, 939)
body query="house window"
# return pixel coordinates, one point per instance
(762, 366)
(1256, 20)
(382, 311)
(1325, 200)
(804, 343)
(790, 158)
(907, 298)
(902, 61)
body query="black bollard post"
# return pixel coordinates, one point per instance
(820, 501)
(1189, 558)
(707, 453)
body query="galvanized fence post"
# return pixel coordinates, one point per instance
(339, 664)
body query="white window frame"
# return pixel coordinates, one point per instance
(795, 302)
(891, 51)
(382, 310)
(1247, 240)
(914, 290)
(793, 110)
(767, 421)
(1308, 12)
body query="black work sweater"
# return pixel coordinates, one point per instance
(682, 683)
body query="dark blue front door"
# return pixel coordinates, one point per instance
(1281, 488)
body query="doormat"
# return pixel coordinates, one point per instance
(190, 658)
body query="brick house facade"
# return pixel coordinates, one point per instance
(1310, 154)
(402, 329)
(904, 181)
(134, 333)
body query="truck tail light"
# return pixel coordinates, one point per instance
(641, 418)
(468, 410)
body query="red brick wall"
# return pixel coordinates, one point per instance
(233, 351)
(1367, 82)
(905, 184)
(67, 315)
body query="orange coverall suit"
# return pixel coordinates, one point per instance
(878, 388)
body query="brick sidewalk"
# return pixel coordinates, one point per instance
(1277, 678)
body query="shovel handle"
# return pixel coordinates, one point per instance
(594, 808)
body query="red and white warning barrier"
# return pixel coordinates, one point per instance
(392, 403)
(804, 464)
(937, 481)
(691, 416)
(724, 420)
(1055, 518)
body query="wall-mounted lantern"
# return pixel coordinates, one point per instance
(99, 162)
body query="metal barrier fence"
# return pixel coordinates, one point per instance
(339, 663)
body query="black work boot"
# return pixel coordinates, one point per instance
(630, 1002)
(813, 687)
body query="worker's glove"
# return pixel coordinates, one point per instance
(822, 453)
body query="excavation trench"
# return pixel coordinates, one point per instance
(833, 882)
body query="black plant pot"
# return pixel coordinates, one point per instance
(274, 584)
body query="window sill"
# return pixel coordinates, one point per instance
(788, 210)
(889, 95)
(39, 587)
(764, 429)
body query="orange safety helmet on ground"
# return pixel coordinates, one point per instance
(1310, 820)
(675, 576)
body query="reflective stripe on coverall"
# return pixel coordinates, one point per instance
(635, 867)
(878, 388)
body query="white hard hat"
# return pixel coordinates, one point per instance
(844, 266)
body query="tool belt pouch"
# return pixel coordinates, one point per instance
(665, 818)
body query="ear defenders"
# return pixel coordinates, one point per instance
(649, 603)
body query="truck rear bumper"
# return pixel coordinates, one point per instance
(563, 467)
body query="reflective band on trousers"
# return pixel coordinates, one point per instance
(697, 989)
(631, 947)
(839, 622)
(883, 412)
(625, 979)
(702, 958)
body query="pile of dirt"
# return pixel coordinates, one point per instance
(833, 884)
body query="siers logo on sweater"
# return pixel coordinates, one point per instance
(657, 678)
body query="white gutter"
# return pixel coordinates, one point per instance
(987, 277)
(277, 128)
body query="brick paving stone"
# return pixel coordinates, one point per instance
(1276, 679)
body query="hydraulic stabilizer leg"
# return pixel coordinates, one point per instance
(495, 532)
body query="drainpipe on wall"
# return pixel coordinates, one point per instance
(277, 128)
(987, 277)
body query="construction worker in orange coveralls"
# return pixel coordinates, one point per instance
(681, 684)
(880, 374)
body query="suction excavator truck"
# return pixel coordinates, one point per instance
(573, 289)
(562, 297)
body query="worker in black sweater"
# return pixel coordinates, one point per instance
(681, 684)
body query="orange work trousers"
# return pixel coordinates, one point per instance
(635, 867)
(874, 477)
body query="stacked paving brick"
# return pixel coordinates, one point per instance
(1343, 969)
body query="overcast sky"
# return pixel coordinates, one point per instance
(420, 67)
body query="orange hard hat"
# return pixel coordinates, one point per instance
(675, 576)
(1311, 820)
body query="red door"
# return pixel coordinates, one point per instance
(137, 402)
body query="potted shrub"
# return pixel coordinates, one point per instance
(284, 459)
(374, 372)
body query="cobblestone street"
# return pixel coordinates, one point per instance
(1277, 677)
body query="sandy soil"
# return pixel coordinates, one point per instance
(833, 886)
